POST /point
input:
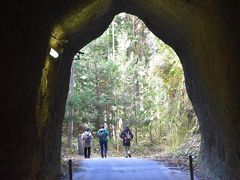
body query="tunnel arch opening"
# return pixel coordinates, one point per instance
(111, 113)
(180, 34)
(69, 45)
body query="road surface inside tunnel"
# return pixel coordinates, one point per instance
(127, 168)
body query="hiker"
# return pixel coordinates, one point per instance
(102, 135)
(87, 142)
(127, 136)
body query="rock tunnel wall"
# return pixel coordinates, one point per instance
(204, 34)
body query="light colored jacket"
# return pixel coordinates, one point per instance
(84, 136)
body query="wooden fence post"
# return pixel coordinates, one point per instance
(80, 145)
(191, 167)
(70, 169)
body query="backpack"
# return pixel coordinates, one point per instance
(87, 138)
(101, 135)
(128, 136)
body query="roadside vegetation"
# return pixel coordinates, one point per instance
(130, 77)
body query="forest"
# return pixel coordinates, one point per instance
(128, 76)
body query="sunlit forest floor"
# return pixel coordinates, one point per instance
(178, 157)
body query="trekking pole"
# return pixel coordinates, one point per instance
(70, 169)
(191, 167)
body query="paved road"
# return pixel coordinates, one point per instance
(127, 169)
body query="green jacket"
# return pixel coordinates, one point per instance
(105, 134)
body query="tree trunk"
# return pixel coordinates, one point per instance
(99, 119)
(125, 114)
(150, 132)
(108, 122)
(70, 121)
(113, 41)
(70, 131)
(116, 137)
(101, 115)
(136, 135)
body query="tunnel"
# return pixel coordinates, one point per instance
(203, 33)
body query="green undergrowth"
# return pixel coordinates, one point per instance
(140, 149)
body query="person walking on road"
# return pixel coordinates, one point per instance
(102, 135)
(127, 136)
(87, 142)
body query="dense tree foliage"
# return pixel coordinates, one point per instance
(128, 76)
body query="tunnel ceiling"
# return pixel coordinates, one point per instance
(172, 21)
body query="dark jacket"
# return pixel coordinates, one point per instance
(123, 135)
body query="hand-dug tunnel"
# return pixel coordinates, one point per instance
(204, 33)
